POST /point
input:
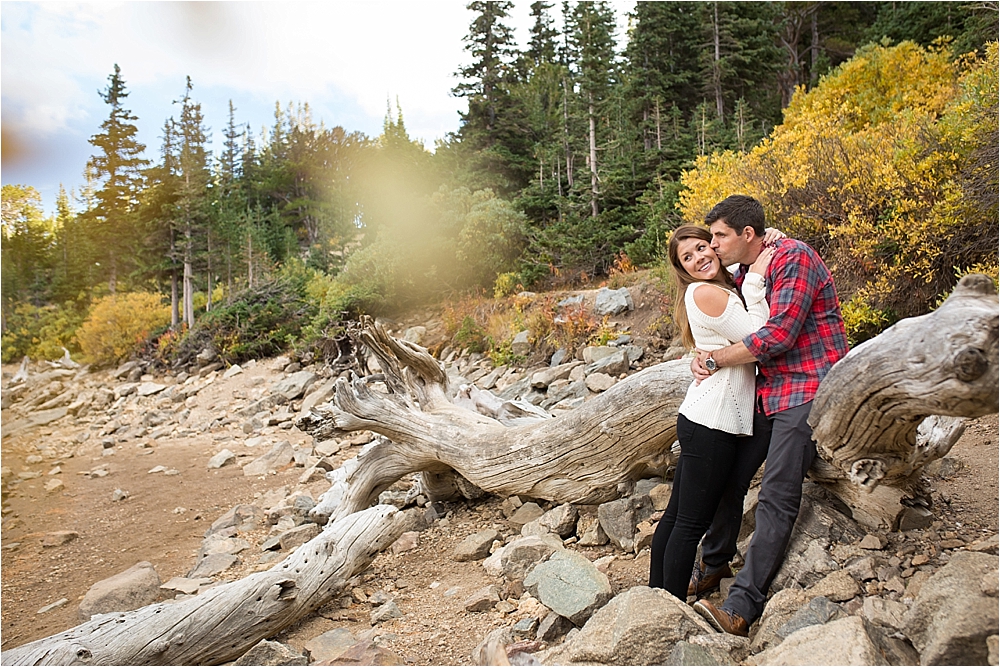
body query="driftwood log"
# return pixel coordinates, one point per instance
(891, 406)
(222, 623)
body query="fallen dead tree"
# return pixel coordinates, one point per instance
(222, 623)
(871, 420)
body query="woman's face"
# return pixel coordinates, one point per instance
(698, 258)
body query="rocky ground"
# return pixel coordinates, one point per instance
(103, 472)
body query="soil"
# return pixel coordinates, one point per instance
(166, 513)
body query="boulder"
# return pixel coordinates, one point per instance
(136, 587)
(613, 302)
(640, 626)
(570, 585)
(330, 645)
(294, 385)
(221, 459)
(951, 618)
(842, 642)
(213, 564)
(267, 652)
(521, 555)
(475, 547)
(281, 455)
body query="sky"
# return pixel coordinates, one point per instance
(346, 59)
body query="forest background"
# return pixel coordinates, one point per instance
(867, 129)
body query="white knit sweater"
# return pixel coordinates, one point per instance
(725, 401)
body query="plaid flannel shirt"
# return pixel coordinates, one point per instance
(804, 335)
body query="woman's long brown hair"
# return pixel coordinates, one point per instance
(682, 278)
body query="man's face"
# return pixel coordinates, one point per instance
(731, 247)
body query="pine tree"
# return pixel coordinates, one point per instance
(119, 165)
(592, 39)
(192, 194)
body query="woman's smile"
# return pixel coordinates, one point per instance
(698, 259)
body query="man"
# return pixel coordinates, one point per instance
(803, 337)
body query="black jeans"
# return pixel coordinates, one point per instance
(700, 481)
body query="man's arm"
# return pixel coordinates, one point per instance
(733, 355)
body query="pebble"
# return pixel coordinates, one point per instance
(55, 605)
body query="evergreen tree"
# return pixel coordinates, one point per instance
(118, 165)
(592, 39)
(542, 43)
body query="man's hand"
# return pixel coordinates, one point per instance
(698, 366)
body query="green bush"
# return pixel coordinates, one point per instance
(41, 332)
(119, 325)
(257, 323)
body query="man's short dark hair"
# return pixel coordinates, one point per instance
(738, 212)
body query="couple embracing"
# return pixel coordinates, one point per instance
(765, 338)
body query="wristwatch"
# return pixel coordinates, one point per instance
(711, 365)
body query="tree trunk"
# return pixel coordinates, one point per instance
(188, 286)
(592, 118)
(944, 363)
(208, 257)
(222, 623)
(717, 62)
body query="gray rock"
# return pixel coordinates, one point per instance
(807, 558)
(589, 531)
(951, 618)
(560, 520)
(317, 394)
(281, 455)
(838, 586)
(232, 371)
(185, 585)
(619, 517)
(242, 517)
(54, 605)
(594, 353)
(136, 587)
(819, 611)
(267, 652)
(613, 365)
(150, 388)
(523, 554)
(298, 536)
(543, 378)
(482, 600)
(525, 513)
(613, 302)
(221, 459)
(294, 385)
(552, 627)
(575, 300)
(521, 345)
(219, 543)
(475, 547)
(599, 382)
(782, 606)
(638, 627)
(841, 642)
(330, 645)
(558, 357)
(726, 648)
(386, 612)
(570, 585)
(992, 649)
(686, 653)
(863, 569)
(884, 613)
(213, 564)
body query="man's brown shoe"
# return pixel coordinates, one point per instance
(722, 620)
(702, 583)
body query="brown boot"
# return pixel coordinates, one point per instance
(722, 620)
(702, 583)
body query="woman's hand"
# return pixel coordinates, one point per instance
(760, 264)
(771, 235)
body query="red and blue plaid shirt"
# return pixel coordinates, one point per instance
(804, 335)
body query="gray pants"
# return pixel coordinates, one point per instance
(790, 453)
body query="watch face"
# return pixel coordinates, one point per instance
(710, 364)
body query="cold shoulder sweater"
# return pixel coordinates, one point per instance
(725, 401)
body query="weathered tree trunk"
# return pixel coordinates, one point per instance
(898, 401)
(867, 418)
(222, 623)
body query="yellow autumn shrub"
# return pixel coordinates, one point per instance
(119, 324)
(873, 167)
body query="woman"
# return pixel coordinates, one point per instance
(717, 413)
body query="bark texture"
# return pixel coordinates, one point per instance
(222, 623)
